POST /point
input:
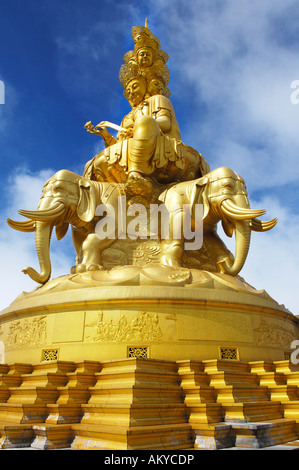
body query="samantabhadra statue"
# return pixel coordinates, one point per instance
(145, 165)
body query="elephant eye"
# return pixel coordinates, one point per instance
(58, 189)
(226, 184)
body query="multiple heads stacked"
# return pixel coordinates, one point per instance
(144, 72)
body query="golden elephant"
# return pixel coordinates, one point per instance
(223, 195)
(69, 199)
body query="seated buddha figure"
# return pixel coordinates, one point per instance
(149, 141)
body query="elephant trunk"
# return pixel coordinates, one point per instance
(242, 236)
(43, 231)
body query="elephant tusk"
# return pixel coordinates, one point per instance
(235, 212)
(261, 225)
(55, 211)
(24, 226)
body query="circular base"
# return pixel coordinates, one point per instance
(154, 312)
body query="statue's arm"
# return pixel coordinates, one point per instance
(101, 131)
(107, 137)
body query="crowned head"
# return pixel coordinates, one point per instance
(146, 60)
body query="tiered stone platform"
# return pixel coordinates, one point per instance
(141, 404)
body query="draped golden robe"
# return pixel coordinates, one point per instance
(148, 151)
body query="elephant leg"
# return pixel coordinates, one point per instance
(217, 249)
(92, 248)
(172, 253)
(78, 238)
(172, 249)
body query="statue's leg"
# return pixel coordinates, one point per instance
(142, 146)
(101, 168)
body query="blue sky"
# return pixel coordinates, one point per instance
(231, 66)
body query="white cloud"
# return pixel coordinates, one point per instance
(236, 60)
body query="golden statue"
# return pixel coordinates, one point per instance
(147, 164)
(149, 141)
(154, 300)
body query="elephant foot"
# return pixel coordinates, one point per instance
(73, 270)
(94, 267)
(171, 253)
(82, 268)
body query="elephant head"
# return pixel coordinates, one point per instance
(224, 197)
(67, 198)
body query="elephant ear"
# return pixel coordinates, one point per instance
(199, 194)
(61, 230)
(87, 201)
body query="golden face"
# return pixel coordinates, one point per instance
(135, 91)
(145, 57)
(155, 87)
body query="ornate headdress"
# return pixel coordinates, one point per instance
(157, 68)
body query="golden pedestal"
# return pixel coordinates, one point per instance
(152, 312)
(147, 358)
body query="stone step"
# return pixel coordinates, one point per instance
(20, 368)
(285, 366)
(23, 413)
(133, 415)
(138, 395)
(292, 378)
(206, 413)
(53, 367)
(197, 394)
(233, 394)
(213, 436)
(72, 395)
(52, 436)
(252, 411)
(30, 395)
(139, 379)
(161, 437)
(222, 379)
(46, 380)
(80, 380)
(284, 393)
(64, 413)
(270, 379)
(7, 380)
(264, 434)
(15, 435)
